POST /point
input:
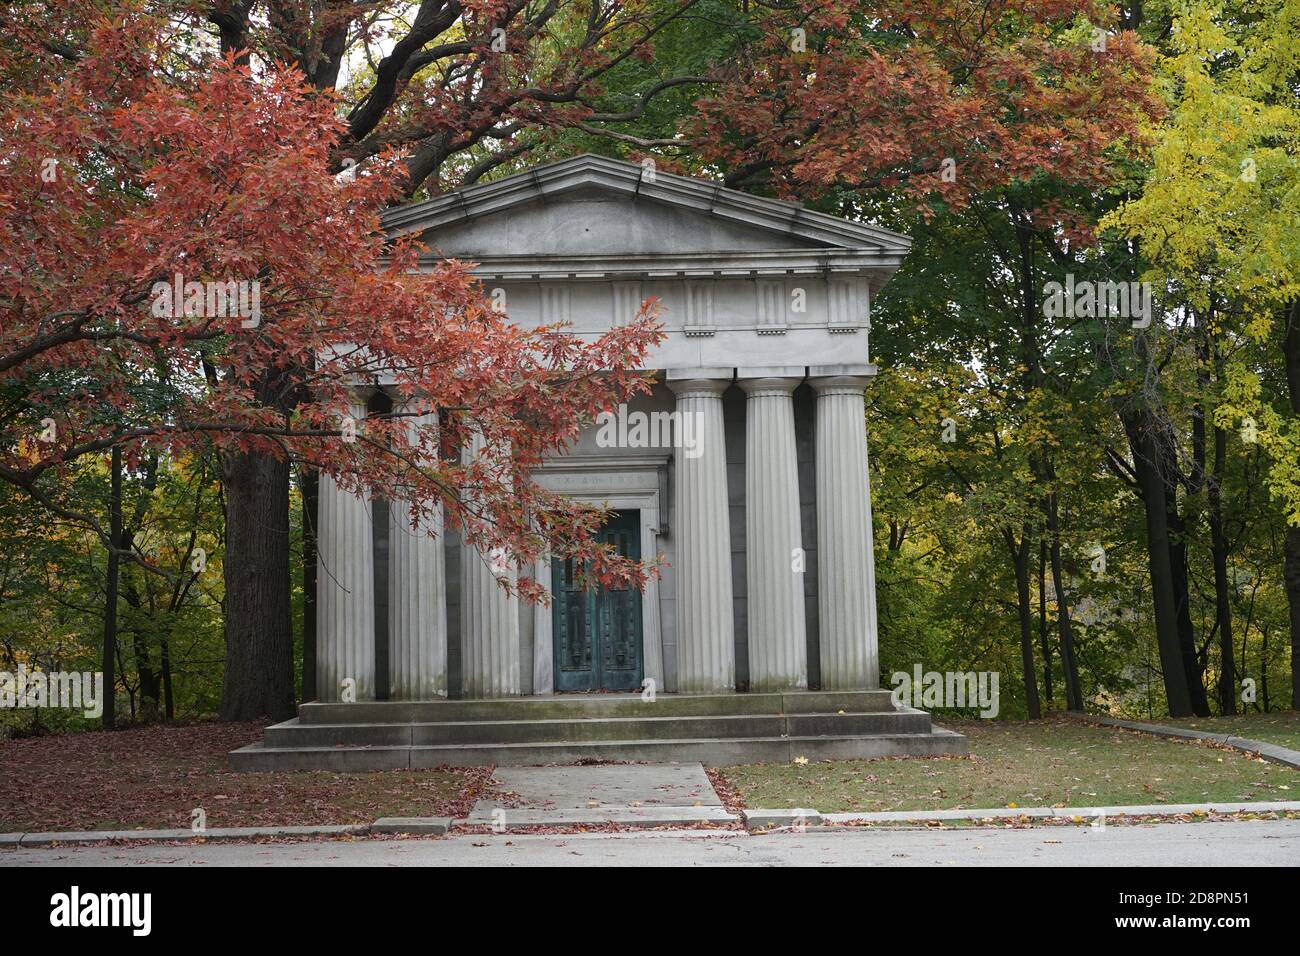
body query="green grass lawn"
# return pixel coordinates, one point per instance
(1279, 727)
(153, 777)
(1047, 763)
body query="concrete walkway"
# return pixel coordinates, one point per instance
(1260, 748)
(1245, 843)
(626, 794)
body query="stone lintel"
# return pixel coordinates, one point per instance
(775, 371)
(683, 374)
(842, 371)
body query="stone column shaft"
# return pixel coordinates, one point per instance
(706, 653)
(489, 621)
(846, 588)
(345, 590)
(417, 597)
(778, 649)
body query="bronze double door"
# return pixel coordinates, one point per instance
(597, 631)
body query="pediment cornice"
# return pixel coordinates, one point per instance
(553, 181)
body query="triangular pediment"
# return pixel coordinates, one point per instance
(595, 207)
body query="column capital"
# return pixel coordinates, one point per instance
(840, 379)
(699, 382)
(770, 385)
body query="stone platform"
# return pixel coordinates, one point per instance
(718, 730)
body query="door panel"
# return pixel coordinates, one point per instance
(598, 639)
(575, 666)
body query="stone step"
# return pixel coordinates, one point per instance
(295, 733)
(566, 706)
(712, 751)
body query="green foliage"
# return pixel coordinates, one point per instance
(52, 598)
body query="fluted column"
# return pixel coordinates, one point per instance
(489, 619)
(543, 638)
(417, 595)
(778, 650)
(846, 582)
(706, 653)
(345, 590)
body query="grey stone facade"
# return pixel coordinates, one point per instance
(766, 307)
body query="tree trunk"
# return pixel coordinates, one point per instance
(1196, 482)
(1292, 576)
(169, 702)
(1222, 604)
(1165, 444)
(1263, 674)
(259, 679)
(1142, 441)
(1069, 665)
(148, 679)
(1030, 353)
(1020, 561)
(1064, 623)
(231, 20)
(309, 485)
(1192, 667)
(109, 715)
(1043, 639)
(1291, 569)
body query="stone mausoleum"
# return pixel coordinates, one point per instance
(745, 468)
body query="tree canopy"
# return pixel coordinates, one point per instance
(194, 279)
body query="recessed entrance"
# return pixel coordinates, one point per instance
(597, 631)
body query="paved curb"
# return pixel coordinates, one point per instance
(1273, 752)
(1066, 813)
(755, 819)
(766, 819)
(188, 836)
(524, 818)
(423, 825)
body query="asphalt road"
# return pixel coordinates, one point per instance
(1251, 843)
